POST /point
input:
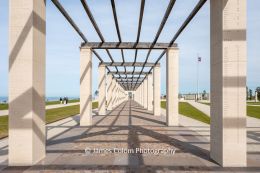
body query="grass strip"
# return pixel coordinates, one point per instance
(4, 106)
(52, 115)
(189, 111)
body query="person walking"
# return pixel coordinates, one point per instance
(60, 100)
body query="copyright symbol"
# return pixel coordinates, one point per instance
(87, 151)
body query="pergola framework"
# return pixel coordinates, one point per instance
(228, 76)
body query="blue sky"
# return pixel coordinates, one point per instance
(62, 60)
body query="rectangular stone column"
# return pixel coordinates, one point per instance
(150, 92)
(172, 87)
(102, 90)
(145, 94)
(157, 90)
(27, 52)
(116, 95)
(85, 87)
(113, 93)
(109, 91)
(138, 95)
(228, 82)
(142, 94)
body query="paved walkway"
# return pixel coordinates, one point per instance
(6, 112)
(251, 122)
(183, 148)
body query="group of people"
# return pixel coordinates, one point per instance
(64, 100)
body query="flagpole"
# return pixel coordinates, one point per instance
(198, 62)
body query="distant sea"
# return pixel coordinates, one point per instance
(5, 99)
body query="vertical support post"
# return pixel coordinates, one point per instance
(145, 94)
(150, 92)
(172, 86)
(85, 86)
(157, 90)
(256, 96)
(102, 90)
(113, 93)
(228, 82)
(27, 51)
(116, 94)
(137, 95)
(142, 94)
(109, 92)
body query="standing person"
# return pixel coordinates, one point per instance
(64, 100)
(60, 100)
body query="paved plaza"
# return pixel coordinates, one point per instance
(129, 126)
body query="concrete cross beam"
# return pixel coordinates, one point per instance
(125, 45)
(129, 72)
(128, 64)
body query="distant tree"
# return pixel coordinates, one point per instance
(96, 93)
(250, 94)
(247, 93)
(204, 94)
(258, 92)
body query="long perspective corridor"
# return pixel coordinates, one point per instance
(130, 126)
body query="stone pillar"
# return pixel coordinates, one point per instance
(113, 93)
(85, 87)
(157, 90)
(145, 94)
(27, 47)
(140, 94)
(150, 92)
(116, 94)
(109, 91)
(228, 82)
(137, 95)
(140, 88)
(102, 90)
(172, 86)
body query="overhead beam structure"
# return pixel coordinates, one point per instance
(228, 76)
(121, 45)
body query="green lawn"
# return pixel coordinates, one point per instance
(3, 126)
(52, 115)
(187, 110)
(252, 111)
(248, 103)
(253, 103)
(56, 114)
(4, 106)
